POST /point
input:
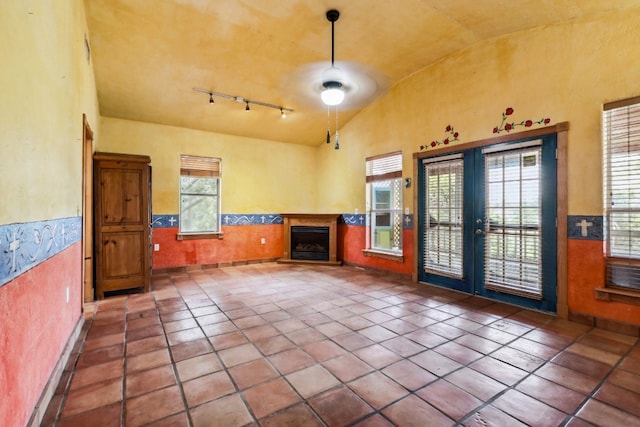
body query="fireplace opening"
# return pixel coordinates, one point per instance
(310, 243)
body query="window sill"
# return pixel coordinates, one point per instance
(384, 255)
(199, 236)
(618, 295)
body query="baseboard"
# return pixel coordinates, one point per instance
(606, 324)
(402, 276)
(56, 375)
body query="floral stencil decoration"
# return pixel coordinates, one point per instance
(509, 126)
(446, 141)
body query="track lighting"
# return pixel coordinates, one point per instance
(283, 110)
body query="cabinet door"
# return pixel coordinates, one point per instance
(122, 224)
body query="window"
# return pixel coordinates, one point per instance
(384, 202)
(621, 138)
(199, 195)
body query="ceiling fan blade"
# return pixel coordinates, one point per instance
(362, 85)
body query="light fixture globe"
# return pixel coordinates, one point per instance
(332, 93)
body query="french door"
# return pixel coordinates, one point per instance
(487, 222)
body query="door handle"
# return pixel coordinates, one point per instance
(479, 232)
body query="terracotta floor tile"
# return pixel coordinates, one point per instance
(352, 341)
(490, 416)
(340, 407)
(92, 397)
(528, 410)
(97, 373)
(172, 316)
(568, 378)
(551, 393)
(191, 349)
(631, 364)
(479, 344)
(198, 366)
(269, 397)
(104, 341)
(347, 367)
(533, 348)
(146, 345)
(177, 420)
(499, 371)
(601, 414)
(249, 322)
(260, 332)
(273, 345)
(312, 380)
(375, 420)
(146, 381)
(377, 356)
(409, 375)
(593, 353)
(377, 333)
(449, 399)
(305, 336)
(323, 350)
(446, 331)
(581, 364)
(232, 339)
(238, 355)
(625, 379)
(149, 360)
(377, 317)
(229, 411)
(621, 398)
(332, 329)
(475, 383)
(435, 363)
(412, 411)
(252, 373)
(105, 416)
(185, 335)
(206, 388)
(291, 360)
(211, 318)
(299, 415)
(459, 353)
(101, 355)
(180, 325)
(601, 341)
(496, 335)
(520, 359)
(426, 338)
(150, 331)
(377, 390)
(547, 338)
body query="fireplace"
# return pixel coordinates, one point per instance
(310, 238)
(310, 243)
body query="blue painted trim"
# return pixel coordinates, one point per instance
(363, 220)
(592, 230)
(173, 221)
(25, 245)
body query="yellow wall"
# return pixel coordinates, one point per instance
(46, 85)
(564, 72)
(257, 176)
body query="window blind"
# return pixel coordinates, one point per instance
(621, 138)
(386, 166)
(199, 166)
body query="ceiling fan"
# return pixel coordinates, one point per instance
(343, 84)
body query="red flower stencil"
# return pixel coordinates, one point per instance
(509, 126)
(454, 137)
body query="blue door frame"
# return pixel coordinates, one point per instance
(473, 266)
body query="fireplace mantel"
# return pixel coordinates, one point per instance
(310, 220)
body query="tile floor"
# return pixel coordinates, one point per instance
(289, 345)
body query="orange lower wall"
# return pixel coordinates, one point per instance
(586, 272)
(35, 325)
(352, 240)
(240, 243)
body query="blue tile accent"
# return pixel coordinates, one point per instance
(251, 219)
(165, 221)
(585, 227)
(363, 220)
(25, 245)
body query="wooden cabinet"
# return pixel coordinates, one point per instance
(122, 195)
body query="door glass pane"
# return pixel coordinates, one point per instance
(443, 220)
(513, 222)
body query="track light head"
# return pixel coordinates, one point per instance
(247, 107)
(211, 101)
(283, 115)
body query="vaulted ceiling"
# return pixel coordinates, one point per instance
(149, 55)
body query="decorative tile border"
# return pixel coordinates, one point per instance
(173, 221)
(585, 227)
(25, 245)
(363, 220)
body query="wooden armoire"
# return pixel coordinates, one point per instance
(122, 218)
